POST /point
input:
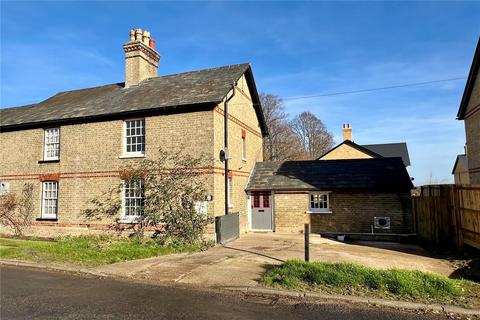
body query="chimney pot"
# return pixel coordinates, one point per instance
(138, 35)
(132, 35)
(146, 37)
(152, 43)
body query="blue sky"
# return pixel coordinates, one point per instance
(295, 48)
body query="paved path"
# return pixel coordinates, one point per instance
(32, 294)
(242, 262)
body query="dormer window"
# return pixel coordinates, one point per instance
(51, 148)
(134, 144)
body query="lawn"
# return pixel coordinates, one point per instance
(89, 250)
(352, 279)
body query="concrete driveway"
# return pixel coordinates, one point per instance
(242, 262)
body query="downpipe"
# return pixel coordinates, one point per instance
(225, 143)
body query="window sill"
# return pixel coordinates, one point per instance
(318, 212)
(131, 156)
(129, 221)
(49, 161)
(47, 219)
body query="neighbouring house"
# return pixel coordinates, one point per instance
(460, 170)
(348, 149)
(335, 196)
(74, 145)
(469, 112)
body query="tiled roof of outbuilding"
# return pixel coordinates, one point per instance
(385, 174)
(188, 89)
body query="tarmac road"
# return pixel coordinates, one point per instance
(34, 294)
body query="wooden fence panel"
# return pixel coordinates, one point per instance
(448, 215)
(470, 215)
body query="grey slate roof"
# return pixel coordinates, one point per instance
(201, 87)
(384, 174)
(388, 150)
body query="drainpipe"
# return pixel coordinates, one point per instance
(225, 142)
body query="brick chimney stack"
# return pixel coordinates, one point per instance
(141, 58)
(347, 132)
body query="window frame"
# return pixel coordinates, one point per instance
(45, 149)
(319, 210)
(43, 213)
(133, 154)
(261, 196)
(131, 218)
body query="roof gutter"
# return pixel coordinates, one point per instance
(225, 143)
(112, 116)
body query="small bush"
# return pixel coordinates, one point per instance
(16, 210)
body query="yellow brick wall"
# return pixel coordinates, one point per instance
(472, 130)
(90, 158)
(345, 152)
(461, 175)
(243, 116)
(290, 211)
(355, 211)
(351, 212)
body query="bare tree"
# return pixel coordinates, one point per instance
(171, 196)
(314, 138)
(281, 143)
(16, 211)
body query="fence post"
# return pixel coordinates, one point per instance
(307, 241)
(459, 212)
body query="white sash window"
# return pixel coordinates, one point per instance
(133, 199)
(51, 149)
(134, 137)
(50, 200)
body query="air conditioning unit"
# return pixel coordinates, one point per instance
(381, 222)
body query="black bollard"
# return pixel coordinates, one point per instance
(307, 242)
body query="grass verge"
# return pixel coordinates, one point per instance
(352, 279)
(89, 250)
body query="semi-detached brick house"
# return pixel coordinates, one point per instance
(73, 145)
